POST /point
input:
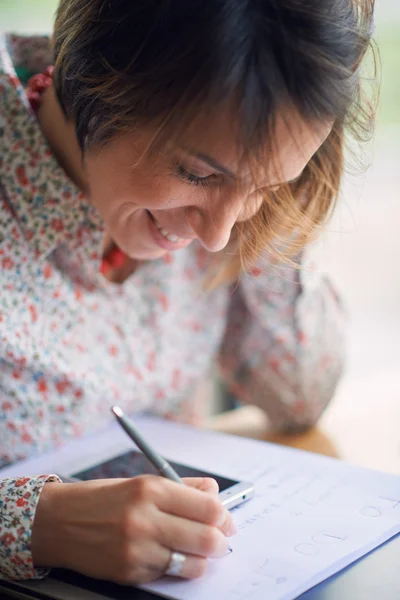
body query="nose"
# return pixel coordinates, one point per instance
(213, 226)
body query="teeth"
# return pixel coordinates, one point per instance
(171, 237)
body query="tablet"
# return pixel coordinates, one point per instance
(133, 463)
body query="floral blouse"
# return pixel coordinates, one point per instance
(72, 343)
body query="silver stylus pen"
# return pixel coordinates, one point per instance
(158, 462)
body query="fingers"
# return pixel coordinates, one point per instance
(193, 567)
(195, 505)
(146, 562)
(204, 484)
(190, 537)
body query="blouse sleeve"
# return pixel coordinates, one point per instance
(283, 349)
(18, 501)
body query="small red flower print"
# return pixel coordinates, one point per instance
(21, 362)
(27, 495)
(7, 263)
(176, 377)
(16, 374)
(62, 386)
(21, 176)
(57, 225)
(33, 311)
(274, 363)
(151, 362)
(18, 560)
(7, 539)
(21, 502)
(42, 386)
(160, 395)
(116, 392)
(113, 350)
(133, 371)
(27, 438)
(77, 429)
(189, 273)
(256, 271)
(15, 233)
(164, 302)
(301, 337)
(1, 318)
(78, 394)
(118, 330)
(47, 271)
(6, 406)
(21, 482)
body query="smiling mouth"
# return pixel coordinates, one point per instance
(167, 235)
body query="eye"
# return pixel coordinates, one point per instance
(184, 174)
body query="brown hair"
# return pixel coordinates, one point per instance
(123, 63)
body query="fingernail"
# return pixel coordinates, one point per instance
(226, 524)
(222, 550)
(232, 529)
(223, 520)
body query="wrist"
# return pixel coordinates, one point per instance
(46, 545)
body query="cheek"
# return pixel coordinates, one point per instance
(115, 186)
(112, 190)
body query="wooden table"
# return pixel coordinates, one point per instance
(362, 426)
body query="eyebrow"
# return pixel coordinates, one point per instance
(212, 162)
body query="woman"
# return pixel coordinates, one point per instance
(173, 146)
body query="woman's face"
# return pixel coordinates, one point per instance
(157, 204)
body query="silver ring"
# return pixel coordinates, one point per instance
(175, 564)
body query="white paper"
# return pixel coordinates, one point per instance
(311, 515)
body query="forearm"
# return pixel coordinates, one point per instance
(286, 354)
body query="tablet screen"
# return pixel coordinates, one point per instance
(135, 463)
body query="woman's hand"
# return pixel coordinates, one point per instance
(125, 529)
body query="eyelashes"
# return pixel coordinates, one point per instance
(188, 177)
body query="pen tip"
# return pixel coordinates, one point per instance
(117, 411)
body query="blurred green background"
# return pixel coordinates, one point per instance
(37, 16)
